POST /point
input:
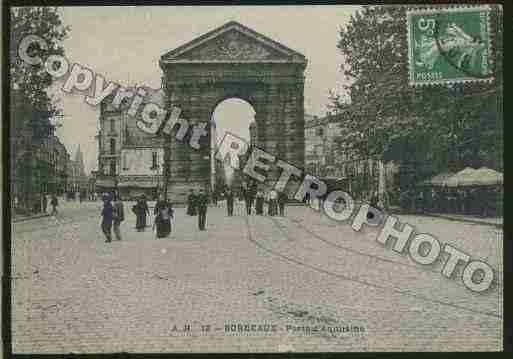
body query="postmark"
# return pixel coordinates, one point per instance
(449, 45)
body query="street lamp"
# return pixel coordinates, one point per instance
(157, 173)
(212, 172)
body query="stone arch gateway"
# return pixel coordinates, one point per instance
(233, 61)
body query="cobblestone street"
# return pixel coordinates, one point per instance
(74, 293)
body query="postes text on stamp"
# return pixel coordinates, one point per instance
(449, 45)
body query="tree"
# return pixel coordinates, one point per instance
(425, 129)
(32, 81)
(31, 107)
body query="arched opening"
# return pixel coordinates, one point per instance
(235, 116)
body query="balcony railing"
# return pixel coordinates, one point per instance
(109, 154)
(106, 180)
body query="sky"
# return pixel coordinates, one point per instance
(124, 44)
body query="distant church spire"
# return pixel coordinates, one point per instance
(79, 159)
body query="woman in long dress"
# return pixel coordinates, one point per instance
(273, 205)
(163, 215)
(141, 210)
(259, 205)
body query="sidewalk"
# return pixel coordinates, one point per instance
(63, 204)
(20, 217)
(492, 221)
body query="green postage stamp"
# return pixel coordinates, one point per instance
(449, 45)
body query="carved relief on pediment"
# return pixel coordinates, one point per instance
(232, 46)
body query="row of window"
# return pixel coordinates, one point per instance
(112, 164)
(112, 148)
(320, 132)
(154, 160)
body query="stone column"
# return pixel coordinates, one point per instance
(271, 126)
(177, 152)
(296, 127)
(200, 158)
(293, 133)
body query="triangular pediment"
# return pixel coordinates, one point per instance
(232, 43)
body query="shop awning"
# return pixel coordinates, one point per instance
(481, 177)
(437, 180)
(461, 178)
(488, 177)
(138, 184)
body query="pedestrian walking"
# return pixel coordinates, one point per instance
(374, 202)
(191, 203)
(141, 210)
(248, 199)
(307, 198)
(107, 216)
(214, 197)
(164, 213)
(201, 205)
(282, 200)
(259, 204)
(229, 201)
(118, 216)
(45, 203)
(273, 196)
(54, 203)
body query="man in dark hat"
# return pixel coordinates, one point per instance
(229, 201)
(191, 203)
(282, 200)
(248, 199)
(45, 203)
(201, 205)
(107, 216)
(118, 215)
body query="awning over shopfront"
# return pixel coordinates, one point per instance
(461, 178)
(437, 180)
(481, 177)
(138, 184)
(466, 178)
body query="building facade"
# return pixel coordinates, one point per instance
(130, 160)
(327, 155)
(53, 161)
(39, 166)
(320, 137)
(78, 180)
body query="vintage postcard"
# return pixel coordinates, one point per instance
(255, 179)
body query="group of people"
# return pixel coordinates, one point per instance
(113, 215)
(197, 204)
(276, 201)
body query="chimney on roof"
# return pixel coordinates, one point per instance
(328, 114)
(315, 117)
